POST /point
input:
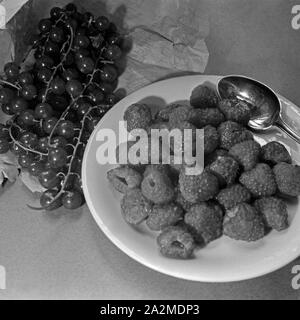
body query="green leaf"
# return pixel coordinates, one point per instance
(9, 167)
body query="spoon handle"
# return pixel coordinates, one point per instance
(282, 125)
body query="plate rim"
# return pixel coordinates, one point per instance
(131, 253)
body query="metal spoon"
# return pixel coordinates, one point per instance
(264, 100)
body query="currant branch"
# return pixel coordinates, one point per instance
(79, 143)
(75, 55)
(19, 144)
(48, 86)
(73, 101)
(62, 18)
(10, 84)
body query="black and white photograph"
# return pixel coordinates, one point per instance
(149, 153)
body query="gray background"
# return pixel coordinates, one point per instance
(65, 255)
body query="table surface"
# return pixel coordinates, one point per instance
(64, 255)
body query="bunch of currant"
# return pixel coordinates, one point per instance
(55, 105)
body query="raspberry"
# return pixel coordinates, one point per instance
(135, 207)
(157, 187)
(235, 110)
(288, 179)
(138, 116)
(176, 242)
(275, 152)
(205, 222)
(260, 181)
(246, 153)
(124, 178)
(211, 139)
(233, 195)
(243, 222)
(204, 97)
(274, 211)
(163, 216)
(225, 169)
(195, 188)
(207, 116)
(232, 133)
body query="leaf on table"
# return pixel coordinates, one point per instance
(32, 183)
(29, 60)
(9, 168)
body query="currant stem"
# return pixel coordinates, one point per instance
(79, 142)
(48, 37)
(10, 84)
(41, 154)
(63, 115)
(71, 38)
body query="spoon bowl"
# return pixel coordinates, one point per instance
(262, 99)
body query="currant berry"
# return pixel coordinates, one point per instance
(70, 74)
(25, 78)
(107, 88)
(45, 25)
(58, 103)
(59, 142)
(115, 38)
(113, 52)
(7, 109)
(58, 86)
(87, 17)
(97, 96)
(35, 168)
(66, 129)
(81, 31)
(92, 124)
(49, 179)
(52, 48)
(55, 13)
(43, 110)
(29, 92)
(48, 200)
(81, 41)
(111, 99)
(11, 70)
(74, 88)
(16, 149)
(81, 53)
(44, 75)
(72, 200)
(71, 8)
(83, 109)
(25, 160)
(57, 35)
(28, 117)
(19, 105)
(85, 65)
(68, 59)
(108, 73)
(44, 62)
(29, 139)
(6, 95)
(102, 23)
(57, 157)
(71, 24)
(43, 144)
(49, 124)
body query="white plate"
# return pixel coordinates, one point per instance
(222, 260)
